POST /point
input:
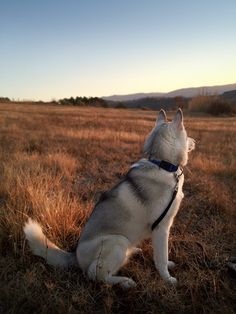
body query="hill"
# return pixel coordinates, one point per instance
(184, 92)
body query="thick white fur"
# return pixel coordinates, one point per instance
(101, 255)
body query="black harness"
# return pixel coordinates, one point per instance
(170, 168)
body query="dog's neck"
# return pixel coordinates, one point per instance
(172, 159)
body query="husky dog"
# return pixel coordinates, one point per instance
(127, 213)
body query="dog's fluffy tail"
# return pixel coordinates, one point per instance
(43, 247)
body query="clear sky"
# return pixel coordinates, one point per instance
(62, 48)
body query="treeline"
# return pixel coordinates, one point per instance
(214, 105)
(72, 101)
(4, 99)
(84, 101)
(143, 103)
(153, 103)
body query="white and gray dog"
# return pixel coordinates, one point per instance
(143, 205)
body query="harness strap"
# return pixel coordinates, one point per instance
(162, 216)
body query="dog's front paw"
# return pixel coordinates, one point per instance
(172, 280)
(171, 264)
(128, 283)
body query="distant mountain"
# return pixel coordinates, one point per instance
(184, 92)
(204, 90)
(133, 96)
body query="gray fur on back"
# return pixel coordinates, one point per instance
(113, 213)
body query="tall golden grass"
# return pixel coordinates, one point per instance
(55, 162)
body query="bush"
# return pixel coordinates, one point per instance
(121, 105)
(4, 99)
(199, 103)
(220, 106)
(210, 104)
(83, 101)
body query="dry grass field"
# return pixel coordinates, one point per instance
(55, 162)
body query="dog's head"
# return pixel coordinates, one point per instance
(168, 140)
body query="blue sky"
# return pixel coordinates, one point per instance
(55, 49)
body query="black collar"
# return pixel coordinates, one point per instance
(165, 165)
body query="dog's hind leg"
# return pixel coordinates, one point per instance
(111, 257)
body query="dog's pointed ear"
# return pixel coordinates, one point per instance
(178, 120)
(161, 118)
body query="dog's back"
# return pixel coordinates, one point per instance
(128, 209)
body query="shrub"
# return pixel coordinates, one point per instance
(4, 99)
(121, 105)
(220, 106)
(199, 103)
(210, 104)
